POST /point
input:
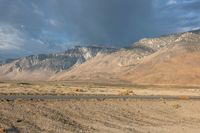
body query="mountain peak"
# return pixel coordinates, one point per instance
(164, 41)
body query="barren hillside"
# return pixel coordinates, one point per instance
(43, 66)
(171, 59)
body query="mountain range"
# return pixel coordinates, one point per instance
(169, 59)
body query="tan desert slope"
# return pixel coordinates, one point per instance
(178, 65)
(107, 67)
(171, 59)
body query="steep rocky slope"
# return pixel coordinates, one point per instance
(171, 59)
(41, 67)
(106, 67)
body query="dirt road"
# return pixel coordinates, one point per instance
(87, 97)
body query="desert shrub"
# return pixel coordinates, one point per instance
(184, 97)
(79, 90)
(127, 92)
(23, 83)
(176, 106)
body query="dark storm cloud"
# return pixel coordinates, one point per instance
(38, 26)
(102, 21)
(106, 21)
(89, 21)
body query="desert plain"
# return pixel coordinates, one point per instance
(131, 115)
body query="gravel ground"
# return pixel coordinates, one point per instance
(113, 116)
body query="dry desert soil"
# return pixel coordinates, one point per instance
(104, 116)
(98, 115)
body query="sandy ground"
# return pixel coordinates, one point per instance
(113, 116)
(64, 88)
(96, 115)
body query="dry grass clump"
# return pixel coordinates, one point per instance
(79, 90)
(184, 97)
(176, 106)
(126, 92)
(24, 83)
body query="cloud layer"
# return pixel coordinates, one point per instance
(177, 15)
(11, 38)
(38, 26)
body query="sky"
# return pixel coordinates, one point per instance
(42, 26)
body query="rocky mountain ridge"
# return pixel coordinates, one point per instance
(143, 60)
(168, 40)
(146, 57)
(54, 62)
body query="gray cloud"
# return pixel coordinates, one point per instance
(53, 25)
(178, 15)
(10, 38)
